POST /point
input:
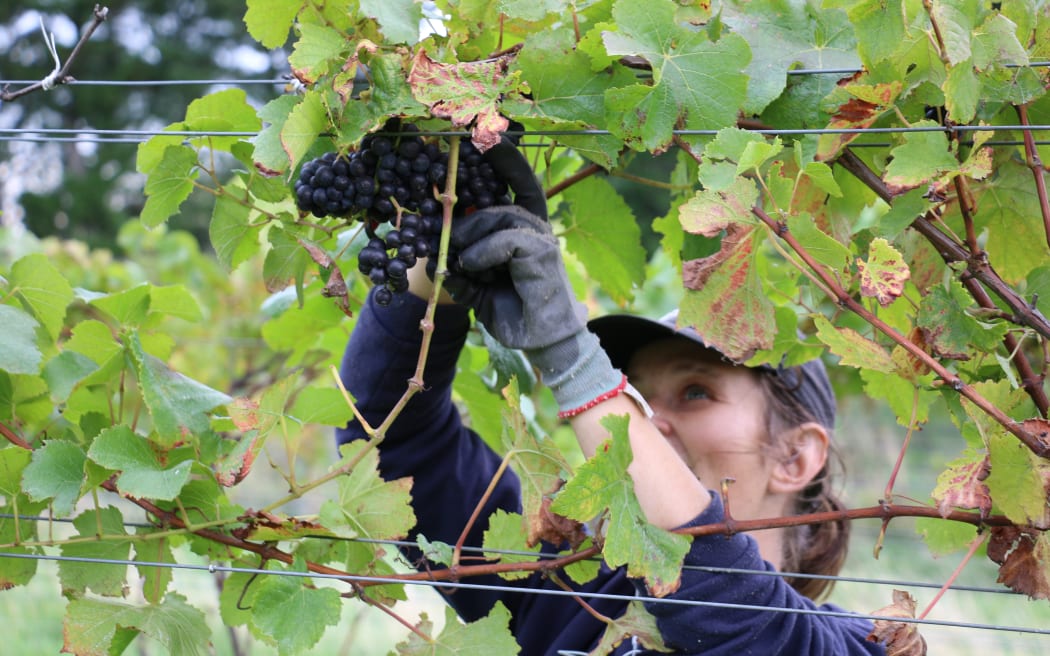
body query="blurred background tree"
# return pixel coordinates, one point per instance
(86, 190)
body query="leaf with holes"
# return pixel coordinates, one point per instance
(883, 275)
(467, 93)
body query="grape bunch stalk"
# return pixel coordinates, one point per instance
(394, 177)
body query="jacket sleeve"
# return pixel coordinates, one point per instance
(749, 613)
(449, 464)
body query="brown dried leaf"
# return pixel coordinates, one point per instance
(962, 486)
(900, 638)
(464, 93)
(556, 529)
(1038, 427)
(1023, 556)
(335, 286)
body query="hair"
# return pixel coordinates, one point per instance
(815, 548)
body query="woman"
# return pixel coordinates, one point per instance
(694, 420)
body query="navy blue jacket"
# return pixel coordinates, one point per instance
(451, 467)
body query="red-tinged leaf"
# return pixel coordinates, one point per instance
(236, 466)
(864, 107)
(1023, 556)
(636, 622)
(464, 93)
(244, 413)
(962, 485)
(709, 212)
(884, 274)
(900, 638)
(724, 300)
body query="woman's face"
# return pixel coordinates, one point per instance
(712, 413)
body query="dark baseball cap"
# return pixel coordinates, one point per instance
(621, 335)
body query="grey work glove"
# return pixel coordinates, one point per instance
(507, 266)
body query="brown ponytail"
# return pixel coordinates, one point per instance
(818, 549)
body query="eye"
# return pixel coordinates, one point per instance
(695, 393)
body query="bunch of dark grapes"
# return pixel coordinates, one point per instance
(394, 177)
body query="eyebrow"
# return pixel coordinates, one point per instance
(691, 366)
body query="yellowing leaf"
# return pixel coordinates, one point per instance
(854, 349)
(884, 274)
(709, 212)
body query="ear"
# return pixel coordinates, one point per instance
(806, 452)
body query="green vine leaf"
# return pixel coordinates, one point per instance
(922, 157)
(398, 19)
(611, 257)
(109, 580)
(565, 93)
(318, 50)
(293, 613)
(697, 84)
(42, 290)
(169, 184)
(506, 532)
(854, 349)
(142, 473)
(56, 473)
(489, 635)
(367, 505)
(177, 404)
(962, 485)
(951, 330)
(98, 626)
(18, 350)
(636, 622)
(602, 486)
(301, 127)
(270, 21)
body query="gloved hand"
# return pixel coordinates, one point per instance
(508, 268)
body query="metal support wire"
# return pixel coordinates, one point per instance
(458, 585)
(158, 83)
(548, 555)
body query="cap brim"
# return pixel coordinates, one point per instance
(621, 335)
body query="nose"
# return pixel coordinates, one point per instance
(659, 418)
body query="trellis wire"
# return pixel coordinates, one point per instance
(545, 133)
(459, 585)
(551, 555)
(287, 80)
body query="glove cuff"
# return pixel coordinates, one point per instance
(578, 372)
